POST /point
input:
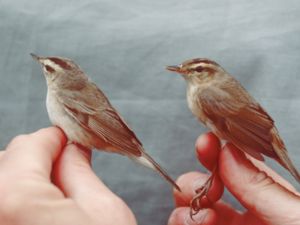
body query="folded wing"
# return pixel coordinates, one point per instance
(93, 111)
(239, 118)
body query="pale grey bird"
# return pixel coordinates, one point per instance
(84, 113)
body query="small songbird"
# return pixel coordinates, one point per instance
(223, 105)
(84, 113)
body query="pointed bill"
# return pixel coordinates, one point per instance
(35, 57)
(173, 68)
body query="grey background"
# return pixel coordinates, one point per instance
(124, 47)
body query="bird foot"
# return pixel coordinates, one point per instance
(198, 201)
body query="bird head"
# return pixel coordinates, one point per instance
(199, 68)
(61, 71)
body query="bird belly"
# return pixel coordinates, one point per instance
(59, 117)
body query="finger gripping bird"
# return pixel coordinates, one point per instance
(84, 113)
(222, 104)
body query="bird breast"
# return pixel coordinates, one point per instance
(59, 117)
(55, 109)
(193, 92)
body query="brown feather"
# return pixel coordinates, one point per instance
(110, 127)
(96, 115)
(282, 153)
(82, 110)
(224, 106)
(161, 171)
(239, 119)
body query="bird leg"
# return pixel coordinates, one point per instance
(201, 195)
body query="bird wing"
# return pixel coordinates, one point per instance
(91, 109)
(239, 119)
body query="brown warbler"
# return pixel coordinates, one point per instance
(84, 113)
(221, 103)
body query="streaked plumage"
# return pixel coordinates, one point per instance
(81, 109)
(221, 103)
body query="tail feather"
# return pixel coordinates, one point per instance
(286, 162)
(148, 161)
(282, 154)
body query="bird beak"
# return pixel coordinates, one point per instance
(174, 68)
(35, 57)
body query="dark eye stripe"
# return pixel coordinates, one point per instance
(204, 69)
(61, 63)
(199, 69)
(49, 69)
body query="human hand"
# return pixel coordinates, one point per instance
(42, 181)
(267, 197)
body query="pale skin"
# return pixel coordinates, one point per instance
(45, 181)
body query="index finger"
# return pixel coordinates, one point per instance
(208, 149)
(33, 153)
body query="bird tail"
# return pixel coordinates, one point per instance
(149, 162)
(282, 154)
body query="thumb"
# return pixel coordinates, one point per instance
(75, 177)
(259, 193)
(73, 174)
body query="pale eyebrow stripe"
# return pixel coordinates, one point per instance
(200, 60)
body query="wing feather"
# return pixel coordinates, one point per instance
(91, 109)
(239, 118)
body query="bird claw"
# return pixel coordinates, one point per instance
(201, 195)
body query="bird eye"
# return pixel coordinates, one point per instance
(199, 69)
(49, 69)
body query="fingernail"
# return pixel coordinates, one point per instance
(197, 219)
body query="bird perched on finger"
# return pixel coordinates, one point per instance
(84, 113)
(224, 106)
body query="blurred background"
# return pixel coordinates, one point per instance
(124, 47)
